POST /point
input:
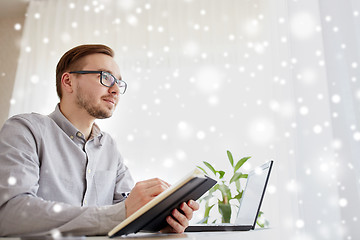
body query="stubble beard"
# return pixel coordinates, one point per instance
(84, 101)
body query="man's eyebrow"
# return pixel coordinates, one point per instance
(106, 70)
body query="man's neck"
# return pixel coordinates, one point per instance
(78, 117)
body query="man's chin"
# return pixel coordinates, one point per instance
(105, 115)
(102, 114)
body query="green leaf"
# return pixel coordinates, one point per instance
(204, 220)
(225, 211)
(207, 210)
(239, 195)
(240, 163)
(264, 223)
(225, 192)
(221, 173)
(207, 197)
(238, 186)
(214, 188)
(237, 176)
(202, 170)
(231, 159)
(210, 167)
(224, 189)
(260, 224)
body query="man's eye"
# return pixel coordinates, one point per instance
(106, 76)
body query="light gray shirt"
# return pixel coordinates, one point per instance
(52, 178)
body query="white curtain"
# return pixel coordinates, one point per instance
(268, 79)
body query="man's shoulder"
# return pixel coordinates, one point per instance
(27, 124)
(34, 119)
(29, 116)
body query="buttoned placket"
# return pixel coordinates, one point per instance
(88, 168)
(89, 172)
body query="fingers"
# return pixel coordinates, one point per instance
(178, 222)
(174, 226)
(152, 182)
(187, 211)
(181, 218)
(152, 187)
(189, 208)
(194, 205)
(143, 192)
(157, 189)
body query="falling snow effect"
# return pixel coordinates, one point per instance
(272, 81)
(12, 181)
(57, 208)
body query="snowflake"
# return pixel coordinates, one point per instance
(168, 163)
(200, 135)
(12, 181)
(343, 202)
(357, 136)
(336, 98)
(299, 223)
(317, 129)
(17, 26)
(57, 208)
(302, 25)
(304, 110)
(34, 79)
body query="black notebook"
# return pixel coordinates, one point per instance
(249, 206)
(151, 217)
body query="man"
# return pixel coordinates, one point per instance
(61, 171)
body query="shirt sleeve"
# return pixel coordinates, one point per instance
(22, 212)
(124, 182)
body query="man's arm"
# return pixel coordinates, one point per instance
(26, 214)
(21, 210)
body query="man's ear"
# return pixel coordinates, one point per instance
(67, 83)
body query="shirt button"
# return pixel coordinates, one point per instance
(72, 137)
(79, 134)
(85, 202)
(89, 170)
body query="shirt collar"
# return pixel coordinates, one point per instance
(71, 130)
(96, 134)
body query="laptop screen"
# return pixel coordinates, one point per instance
(253, 195)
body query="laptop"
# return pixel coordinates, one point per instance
(249, 206)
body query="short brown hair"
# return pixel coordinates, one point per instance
(71, 60)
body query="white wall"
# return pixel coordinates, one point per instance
(9, 53)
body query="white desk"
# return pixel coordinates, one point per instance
(257, 234)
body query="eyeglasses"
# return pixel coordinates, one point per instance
(107, 79)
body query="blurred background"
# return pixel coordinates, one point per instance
(268, 79)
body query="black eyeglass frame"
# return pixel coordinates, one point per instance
(117, 81)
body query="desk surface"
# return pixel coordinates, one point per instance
(248, 235)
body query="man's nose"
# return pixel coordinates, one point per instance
(114, 89)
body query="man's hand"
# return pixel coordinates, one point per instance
(144, 192)
(178, 221)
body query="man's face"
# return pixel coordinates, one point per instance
(99, 101)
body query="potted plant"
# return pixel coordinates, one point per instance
(228, 199)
